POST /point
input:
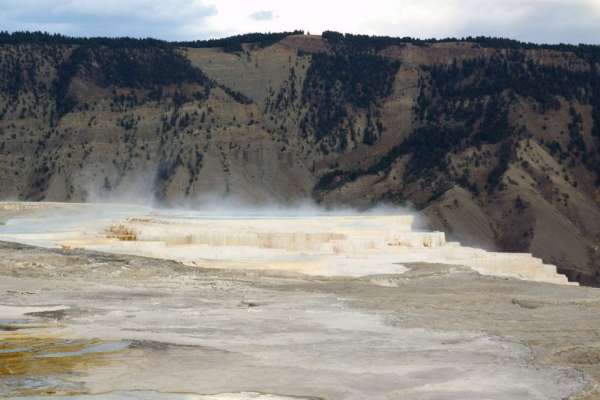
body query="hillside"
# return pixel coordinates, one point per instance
(496, 141)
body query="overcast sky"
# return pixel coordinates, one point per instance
(548, 21)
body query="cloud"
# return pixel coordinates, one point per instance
(262, 15)
(174, 19)
(549, 21)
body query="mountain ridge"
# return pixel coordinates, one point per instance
(496, 141)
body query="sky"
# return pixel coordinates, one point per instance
(541, 21)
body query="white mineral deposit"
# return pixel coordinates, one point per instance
(122, 302)
(327, 245)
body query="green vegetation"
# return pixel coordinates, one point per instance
(466, 104)
(577, 145)
(41, 38)
(231, 44)
(476, 95)
(336, 83)
(122, 62)
(595, 100)
(377, 43)
(511, 72)
(365, 43)
(234, 43)
(237, 96)
(11, 78)
(144, 68)
(506, 154)
(66, 71)
(338, 102)
(130, 67)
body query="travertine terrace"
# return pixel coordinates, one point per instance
(325, 244)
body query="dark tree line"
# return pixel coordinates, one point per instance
(458, 89)
(143, 68)
(365, 43)
(335, 82)
(377, 43)
(467, 104)
(232, 43)
(136, 67)
(513, 72)
(45, 38)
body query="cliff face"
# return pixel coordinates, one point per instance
(497, 143)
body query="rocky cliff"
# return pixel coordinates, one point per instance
(497, 142)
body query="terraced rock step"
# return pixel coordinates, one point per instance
(322, 245)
